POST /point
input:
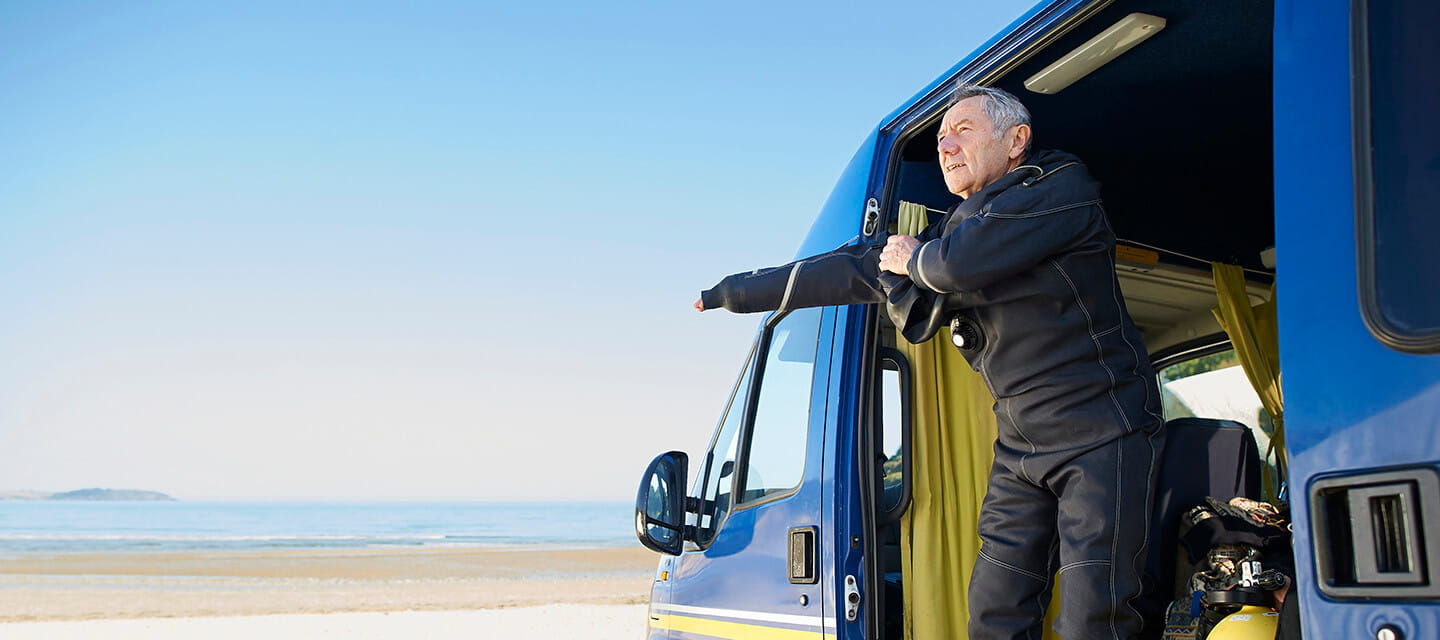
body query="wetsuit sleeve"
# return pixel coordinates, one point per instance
(848, 275)
(989, 246)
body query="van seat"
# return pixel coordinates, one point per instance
(1202, 457)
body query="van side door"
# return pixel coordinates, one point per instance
(1358, 284)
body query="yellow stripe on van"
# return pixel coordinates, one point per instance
(732, 630)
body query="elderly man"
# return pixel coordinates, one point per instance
(1022, 269)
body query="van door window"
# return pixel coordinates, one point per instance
(1398, 172)
(775, 453)
(720, 463)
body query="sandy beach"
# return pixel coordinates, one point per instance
(600, 592)
(560, 621)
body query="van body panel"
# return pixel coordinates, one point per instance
(842, 486)
(851, 351)
(1352, 403)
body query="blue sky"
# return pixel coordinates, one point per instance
(409, 250)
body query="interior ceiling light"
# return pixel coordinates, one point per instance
(1098, 51)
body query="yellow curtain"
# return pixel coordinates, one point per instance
(1255, 334)
(953, 430)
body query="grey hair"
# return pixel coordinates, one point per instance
(1001, 106)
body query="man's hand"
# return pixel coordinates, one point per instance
(895, 257)
(700, 304)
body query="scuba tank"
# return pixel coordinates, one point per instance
(1251, 622)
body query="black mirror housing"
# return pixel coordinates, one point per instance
(660, 504)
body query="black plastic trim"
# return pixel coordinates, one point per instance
(679, 463)
(1345, 545)
(1380, 327)
(902, 366)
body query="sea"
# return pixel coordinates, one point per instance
(45, 526)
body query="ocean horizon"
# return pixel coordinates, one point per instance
(40, 527)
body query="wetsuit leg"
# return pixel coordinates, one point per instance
(1010, 586)
(1104, 525)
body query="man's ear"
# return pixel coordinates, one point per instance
(1019, 139)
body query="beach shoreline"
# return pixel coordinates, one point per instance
(119, 585)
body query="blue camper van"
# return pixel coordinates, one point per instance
(1272, 173)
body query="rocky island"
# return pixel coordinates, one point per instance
(85, 494)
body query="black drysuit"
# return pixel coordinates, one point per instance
(1027, 264)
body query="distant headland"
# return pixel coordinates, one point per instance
(85, 494)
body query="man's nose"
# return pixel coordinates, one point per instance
(944, 145)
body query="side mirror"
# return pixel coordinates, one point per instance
(660, 504)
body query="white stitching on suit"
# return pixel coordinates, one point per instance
(1028, 574)
(1100, 352)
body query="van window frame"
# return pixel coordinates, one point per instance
(906, 395)
(702, 486)
(1200, 347)
(1363, 157)
(747, 427)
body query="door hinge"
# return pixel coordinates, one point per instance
(852, 599)
(872, 217)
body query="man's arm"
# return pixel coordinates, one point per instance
(847, 275)
(989, 247)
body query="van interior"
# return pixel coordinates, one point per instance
(1179, 132)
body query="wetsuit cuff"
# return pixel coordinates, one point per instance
(711, 299)
(913, 266)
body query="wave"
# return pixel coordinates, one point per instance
(68, 543)
(62, 527)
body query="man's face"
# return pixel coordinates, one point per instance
(971, 155)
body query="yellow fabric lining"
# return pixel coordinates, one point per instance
(952, 432)
(1255, 333)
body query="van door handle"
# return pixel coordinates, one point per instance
(803, 556)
